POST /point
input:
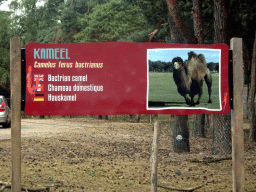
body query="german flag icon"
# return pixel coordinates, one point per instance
(39, 97)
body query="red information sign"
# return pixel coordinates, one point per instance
(126, 78)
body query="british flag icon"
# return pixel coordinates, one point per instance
(40, 77)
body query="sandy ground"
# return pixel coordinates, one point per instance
(86, 154)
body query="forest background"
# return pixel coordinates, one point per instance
(75, 21)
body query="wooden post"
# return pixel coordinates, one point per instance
(237, 116)
(157, 131)
(150, 118)
(15, 69)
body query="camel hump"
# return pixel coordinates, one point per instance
(191, 54)
(201, 58)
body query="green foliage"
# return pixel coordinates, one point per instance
(160, 66)
(4, 51)
(25, 24)
(155, 11)
(241, 23)
(4, 29)
(110, 22)
(69, 25)
(213, 66)
(138, 35)
(36, 24)
(14, 5)
(48, 24)
(70, 14)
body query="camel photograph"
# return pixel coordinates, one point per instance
(183, 78)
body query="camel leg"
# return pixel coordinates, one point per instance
(187, 100)
(196, 88)
(199, 97)
(209, 85)
(192, 101)
(208, 80)
(209, 91)
(200, 93)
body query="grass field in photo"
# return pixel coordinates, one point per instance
(162, 89)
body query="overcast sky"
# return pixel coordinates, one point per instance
(4, 5)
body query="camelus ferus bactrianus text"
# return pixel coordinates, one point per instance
(189, 77)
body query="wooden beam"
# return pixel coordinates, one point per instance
(237, 116)
(15, 68)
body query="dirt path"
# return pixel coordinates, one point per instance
(85, 154)
(45, 127)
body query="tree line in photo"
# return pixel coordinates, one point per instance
(162, 66)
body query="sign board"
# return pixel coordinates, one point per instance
(125, 78)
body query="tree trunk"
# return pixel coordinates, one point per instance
(180, 134)
(179, 23)
(251, 98)
(138, 116)
(222, 144)
(178, 32)
(199, 126)
(209, 126)
(220, 21)
(104, 117)
(197, 18)
(199, 121)
(176, 37)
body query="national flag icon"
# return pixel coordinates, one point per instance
(40, 77)
(39, 97)
(39, 87)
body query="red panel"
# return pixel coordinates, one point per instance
(106, 79)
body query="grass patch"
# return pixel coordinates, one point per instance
(162, 88)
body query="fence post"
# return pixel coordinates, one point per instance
(157, 131)
(15, 68)
(237, 116)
